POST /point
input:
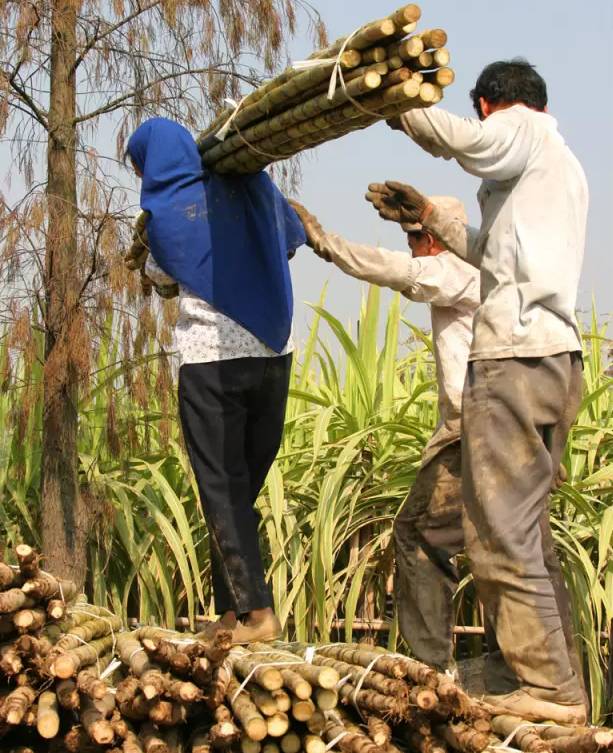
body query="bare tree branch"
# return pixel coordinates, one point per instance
(36, 112)
(111, 29)
(114, 104)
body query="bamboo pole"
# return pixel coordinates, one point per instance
(46, 586)
(268, 677)
(302, 709)
(433, 38)
(372, 679)
(291, 743)
(328, 126)
(14, 599)
(17, 703)
(9, 577)
(406, 49)
(246, 712)
(441, 77)
(373, 702)
(95, 724)
(442, 58)
(95, 627)
(354, 88)
(89, 682)
(462, 737)
(32, 619)
(28, 560)
(408, 14)
(590, 742)
(282, 699)
(310, 675)
(272, 97)
(278, 724)
(526, 738)
(554, 731)
(326, 699)
(263, 699)
(379, 731)
(132, 654)
(374, 55)
(349, 741)
(68, 664)
(47, 716)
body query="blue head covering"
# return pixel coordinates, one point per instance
(225, 238)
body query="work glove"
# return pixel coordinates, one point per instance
(399, 202)
(378, 266)
(146, 283)
(137, 254)
(315, 234)
(167, 291)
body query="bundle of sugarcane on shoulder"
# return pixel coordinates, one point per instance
(74, 680)
(383, 69)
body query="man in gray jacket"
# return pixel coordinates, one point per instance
(524, 381)
(428, 528)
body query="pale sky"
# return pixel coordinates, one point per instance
(571, 44)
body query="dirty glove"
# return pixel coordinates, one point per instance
(164, 291)
(559, 478)
(399, 202)
(146, 283)
(137, 254)
(314, 232)
(167, 291)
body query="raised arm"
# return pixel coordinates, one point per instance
(441, 280)
(496, 148)
(402, 203)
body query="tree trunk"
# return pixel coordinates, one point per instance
(63, 515)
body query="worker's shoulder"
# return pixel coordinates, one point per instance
(449, 259)
(523, 116)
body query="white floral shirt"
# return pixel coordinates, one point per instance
(203, 334)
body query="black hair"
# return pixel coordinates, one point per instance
(510, 81)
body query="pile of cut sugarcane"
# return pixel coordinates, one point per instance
(72, 680)
(387, 68)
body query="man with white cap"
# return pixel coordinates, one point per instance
(428, 528)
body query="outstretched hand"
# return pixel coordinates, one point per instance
(398, 202)
(312, 227)
(136, 255)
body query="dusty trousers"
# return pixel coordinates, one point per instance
(427, 535)
(516, 415)
(232, 414)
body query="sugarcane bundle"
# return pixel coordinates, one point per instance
(80, 683)
(45, 623)
(383, 69)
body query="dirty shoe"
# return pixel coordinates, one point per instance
(211, 628)
(266, 629)
(522, 704)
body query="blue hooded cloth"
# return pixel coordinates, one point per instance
(225, 238)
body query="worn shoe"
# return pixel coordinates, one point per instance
(267, 629)
(522, 704)
(210, 627)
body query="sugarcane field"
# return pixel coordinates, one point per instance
(255, 496)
